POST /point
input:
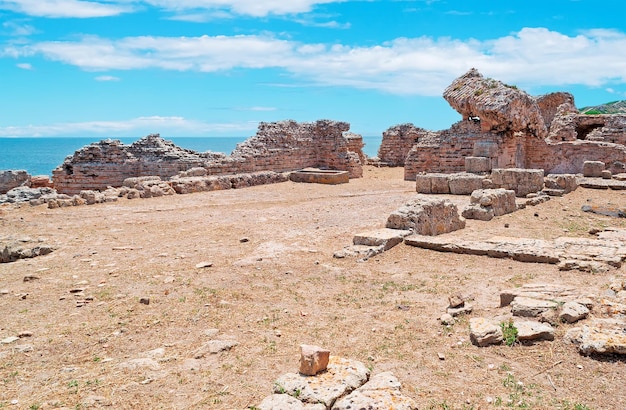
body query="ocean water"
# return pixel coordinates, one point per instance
(39, 156)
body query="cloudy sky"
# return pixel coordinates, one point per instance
(126, 68)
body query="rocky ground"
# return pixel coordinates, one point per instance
(202, 301)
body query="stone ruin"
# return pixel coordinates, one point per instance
(510, 129)
(278, 147)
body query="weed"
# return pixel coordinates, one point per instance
(509, 332)
(278, 388)
(72, 383)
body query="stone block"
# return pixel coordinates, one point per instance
(593, 169)
(522, 181)
(426, 216)
(313, 359)
(385, 237)
(565, 182)
(432, 184)
(606, 174)
(464, 184)
(484, 332)
(487, 203)
(13, 178)
(531, 330)
(477, 165)
(573, 312)
(530, 307)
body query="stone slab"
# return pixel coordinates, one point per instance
(385, 237)
(320, 176)
(341, 377)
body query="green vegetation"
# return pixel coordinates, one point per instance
(509, 332)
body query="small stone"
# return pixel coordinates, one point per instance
(30, 278)
(441, 356)
(24, 348)
(4, 292)
(144, 301)
(455, 301)
(462, 310)
(8, 340)
(446, 319)
(313, 359)
(77, 290)
(244, 240)
(202, 265)
(25, 333)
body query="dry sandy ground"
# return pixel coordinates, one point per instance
(277, 290)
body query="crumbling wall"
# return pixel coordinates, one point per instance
(515, 130)
(279, 146)
(398, 141)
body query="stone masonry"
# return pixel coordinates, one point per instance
(280, 147)
(512, 130)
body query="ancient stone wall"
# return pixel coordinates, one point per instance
(397, 142)
(280, 147)
(515, 130)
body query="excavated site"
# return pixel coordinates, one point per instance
(476, 267)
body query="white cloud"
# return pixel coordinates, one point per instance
(106, 78)
(64, 8)
(425, 66)
(15, 28)
(140, 125)
(25, 66)
(256, 8)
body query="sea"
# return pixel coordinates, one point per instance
(39, 156)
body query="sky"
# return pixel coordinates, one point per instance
(186, 68)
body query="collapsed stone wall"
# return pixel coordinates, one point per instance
(279, 146)
(514, 130)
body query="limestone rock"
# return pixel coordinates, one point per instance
(13, 250)
(432, 183)
(313, 359)
(341, 377)
(602, 336)
(484, 332)
(286, 402)
(13, 178)
(387, 238)
(593, 169)
(566, 182)
(426, 216)
(497, 106)
(530, 307)
(487, 203)
(464, 183)
(214, 347)
(381, 392)
(477, 165)
(522, 181)
(572, 312)
(531, 330)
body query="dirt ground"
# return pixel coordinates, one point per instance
(272, 286)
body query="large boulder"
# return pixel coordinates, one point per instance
(426, 216)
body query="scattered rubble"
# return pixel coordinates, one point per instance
(344, 384)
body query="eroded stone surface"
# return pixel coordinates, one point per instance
(341, 377)
(381, 392)
(533, 331)
(426, 216)
(484, 332)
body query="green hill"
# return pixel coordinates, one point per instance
(615, 107)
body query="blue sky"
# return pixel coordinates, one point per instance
(126, 68)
